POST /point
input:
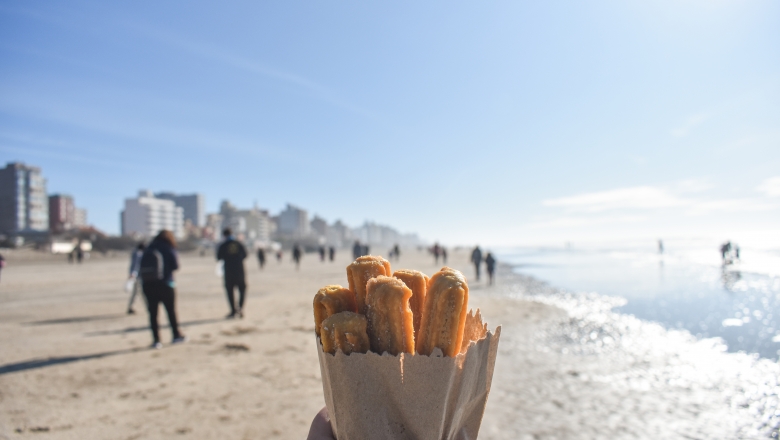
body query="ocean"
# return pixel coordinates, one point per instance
(684, 288)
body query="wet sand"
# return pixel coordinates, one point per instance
(74, 365)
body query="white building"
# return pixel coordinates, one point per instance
(194, 206)
(293, 222)
(146, 215)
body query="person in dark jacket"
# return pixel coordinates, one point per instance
(162, 289)
(476, 258)
(297, 254)
(233, 253)
(490, 263)
(261, 257)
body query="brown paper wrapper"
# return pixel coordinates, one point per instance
(410, 396)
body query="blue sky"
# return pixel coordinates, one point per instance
(500, 123)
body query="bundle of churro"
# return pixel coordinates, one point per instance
(400, 356)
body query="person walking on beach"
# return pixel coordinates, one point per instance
(261, 257)
(331, 253)
(436, 252)
(357, 250)
(490, 264)
(660, 246)
(476, 258)
(2, 262)
(158, 263)
(233, 253)
(297, 256)
(396, 252)
(135, 264)
(279, 255)
(444, 255)
(321, 250)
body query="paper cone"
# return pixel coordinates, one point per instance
(410, 396)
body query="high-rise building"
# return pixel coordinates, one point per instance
(194, 206)
(24, 207)
(64, 215)
(293, 222)
(319, 226)
(146, 215)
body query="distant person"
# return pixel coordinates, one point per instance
(444, 255)
(321, 250)
(366, 250)
(736, 252)
(437, 252)
(476, 258)
(279, 255)
(233, 253)
(331, 253)
(490, 264)
(725, 252)
(158, 263)
(79, 253)
(261, 257)
(297, 254)
(357, 250)
(135, 264)
(71, 256)
(660, 247)
(2, 262)
(396, 251)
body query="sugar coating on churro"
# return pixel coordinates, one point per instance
(444, 313)
(418, 283)
(390, 322)
(360, 271)
(345, 331)
(331, 300)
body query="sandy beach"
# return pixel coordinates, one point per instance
(74, 365)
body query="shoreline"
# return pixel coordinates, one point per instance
(75, 364)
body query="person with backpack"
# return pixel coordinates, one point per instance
(233, 253)
(158, 262)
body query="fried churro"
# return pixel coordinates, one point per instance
(444, 313)
(345, 331)
(418, 283)
(360, 271)
(331, 300)
(390, 319)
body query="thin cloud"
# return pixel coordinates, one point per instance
(691, 123)
(216, 53)
(639, 197)
(770, 187)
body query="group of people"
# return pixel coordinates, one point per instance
(490, 263)
(729, 252)
(439, 251)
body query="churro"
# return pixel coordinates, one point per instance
(362, 270)
(331, 300)
(444, 313)
(390, 319)
(418, 283)
(345, 331)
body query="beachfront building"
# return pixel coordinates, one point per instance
(293, 222)
(319, 226)
(194, 206)
(251, 225)
(64, 215)
(24, 207)
(146, 215)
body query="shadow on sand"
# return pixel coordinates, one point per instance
(76, 319)
(145, 328)
(40, 363)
